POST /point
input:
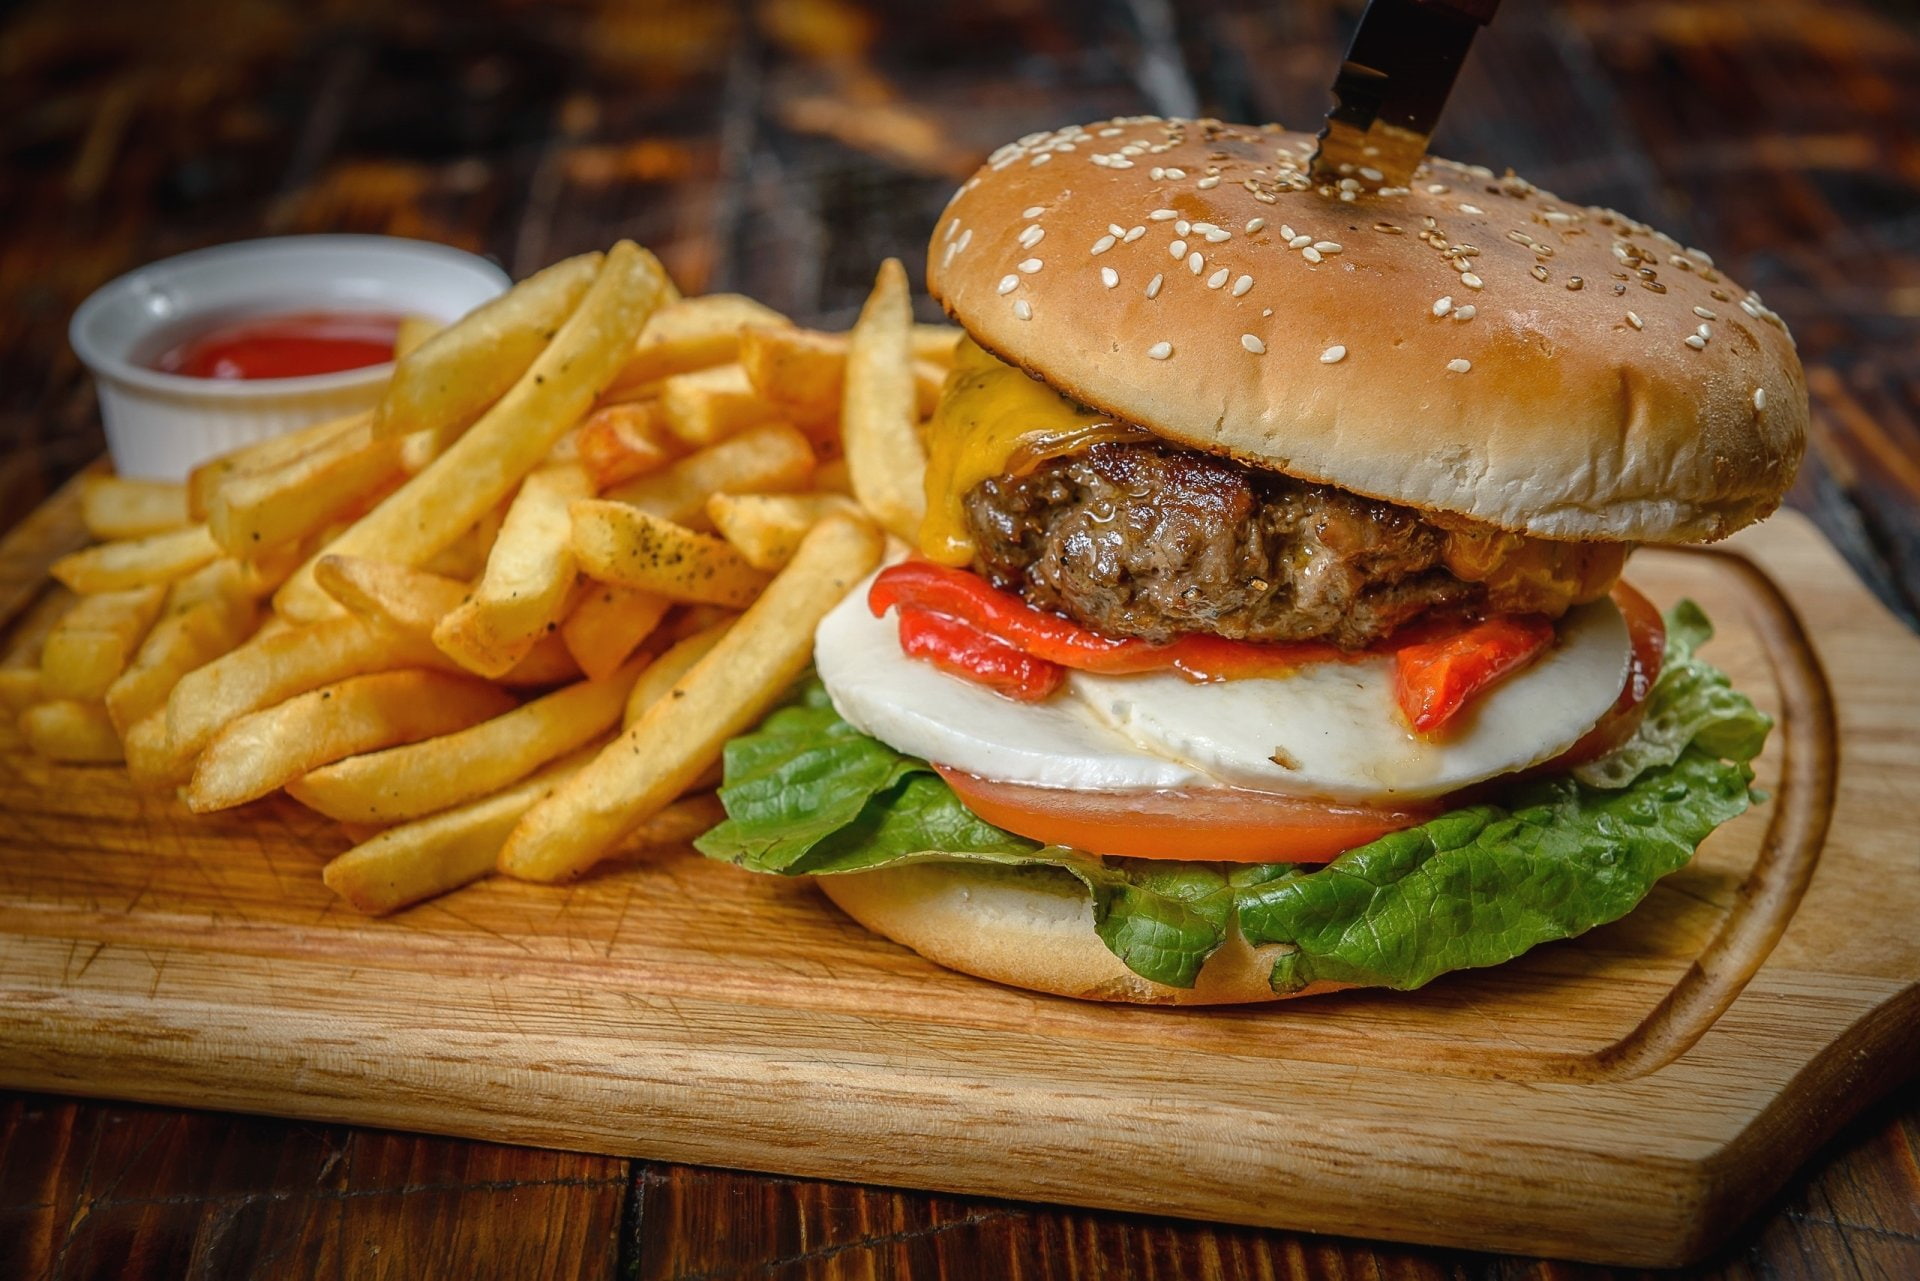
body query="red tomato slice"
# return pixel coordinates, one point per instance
(1212, 825)
(954, 647)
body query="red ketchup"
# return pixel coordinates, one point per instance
(289, 345)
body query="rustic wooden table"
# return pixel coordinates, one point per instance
(782, 148)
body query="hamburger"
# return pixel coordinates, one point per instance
(1267, 632)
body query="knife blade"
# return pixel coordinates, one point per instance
(1391, 88)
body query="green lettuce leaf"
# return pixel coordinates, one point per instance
(806, 793)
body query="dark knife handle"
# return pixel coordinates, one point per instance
(1480, 11)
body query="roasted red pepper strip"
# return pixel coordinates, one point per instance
(1434, 678)
(953, 646)
(958, 593)
(1441, 666)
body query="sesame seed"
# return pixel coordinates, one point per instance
(1333, 355)
(1310, 254)
(1176, 174)
(966, 238)
(1539, 272)
(1470, 280)
(1760, 399)
(1371, 174)
(953, 227)
(1033, 211)
(1153, 286)
(1328, 246)
(1458, 366)
(1286, 234)
(1120, 164)
(1299, 242)
(1103, 244)
(1254, 224)
(1116, 230)
(1575, 283)
(1156, 173)
(1182, 227)
(1161, 215)
(1023, 309)
(1032, 236)
(1472, 209)
(1441, 306)
(1696, 342)
(1253, 344)
(1178, 249)
(1028, 265)
(1217, 234)
(1633, 318)
(1704, 314)
(1348, 184)
(1241, 285)
(1467, 312)
(1266, 311)
(1133, 234)
(1009, 283)
(1438, 189)
(1208, 183)
(1160, 351)
(1217, 279)
(1196, 262)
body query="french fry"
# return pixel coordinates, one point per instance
(72, 731)
(453, 376)
(711, 404)
(617, 543)
(767, 528)
(802, 373)
(137, 562)
(273, 667)
(433, 508)
(665, 671)
(152, 765)
(620, 442)
(529, 577)
(413, 601)
(690, 334)
(206, 614)
(20, 684)
(936, 343)
(437, 773)
(833, 477)
(466, 556)
(263, 455)
(89, 648)
(414, 332)
(430, 856)
(885, 458)
(114, 507)
(269, 748)
(267, 508)
(767, 459)
(680, 737)
(607, 625)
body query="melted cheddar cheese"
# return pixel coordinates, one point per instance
(995, 420)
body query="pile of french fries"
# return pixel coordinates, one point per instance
(507, 619)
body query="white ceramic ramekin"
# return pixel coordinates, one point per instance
(162, 425)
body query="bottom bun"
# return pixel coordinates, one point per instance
(1032, 927)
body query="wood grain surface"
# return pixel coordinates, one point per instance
(782, 148)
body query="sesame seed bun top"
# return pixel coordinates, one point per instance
(1470, 344)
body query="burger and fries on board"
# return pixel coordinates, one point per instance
(1231, 607)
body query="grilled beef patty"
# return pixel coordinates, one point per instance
(1153, 541)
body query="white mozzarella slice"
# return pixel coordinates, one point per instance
(916, 708)
(1332, 730)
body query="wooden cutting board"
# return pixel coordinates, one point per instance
(1627, 1097)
